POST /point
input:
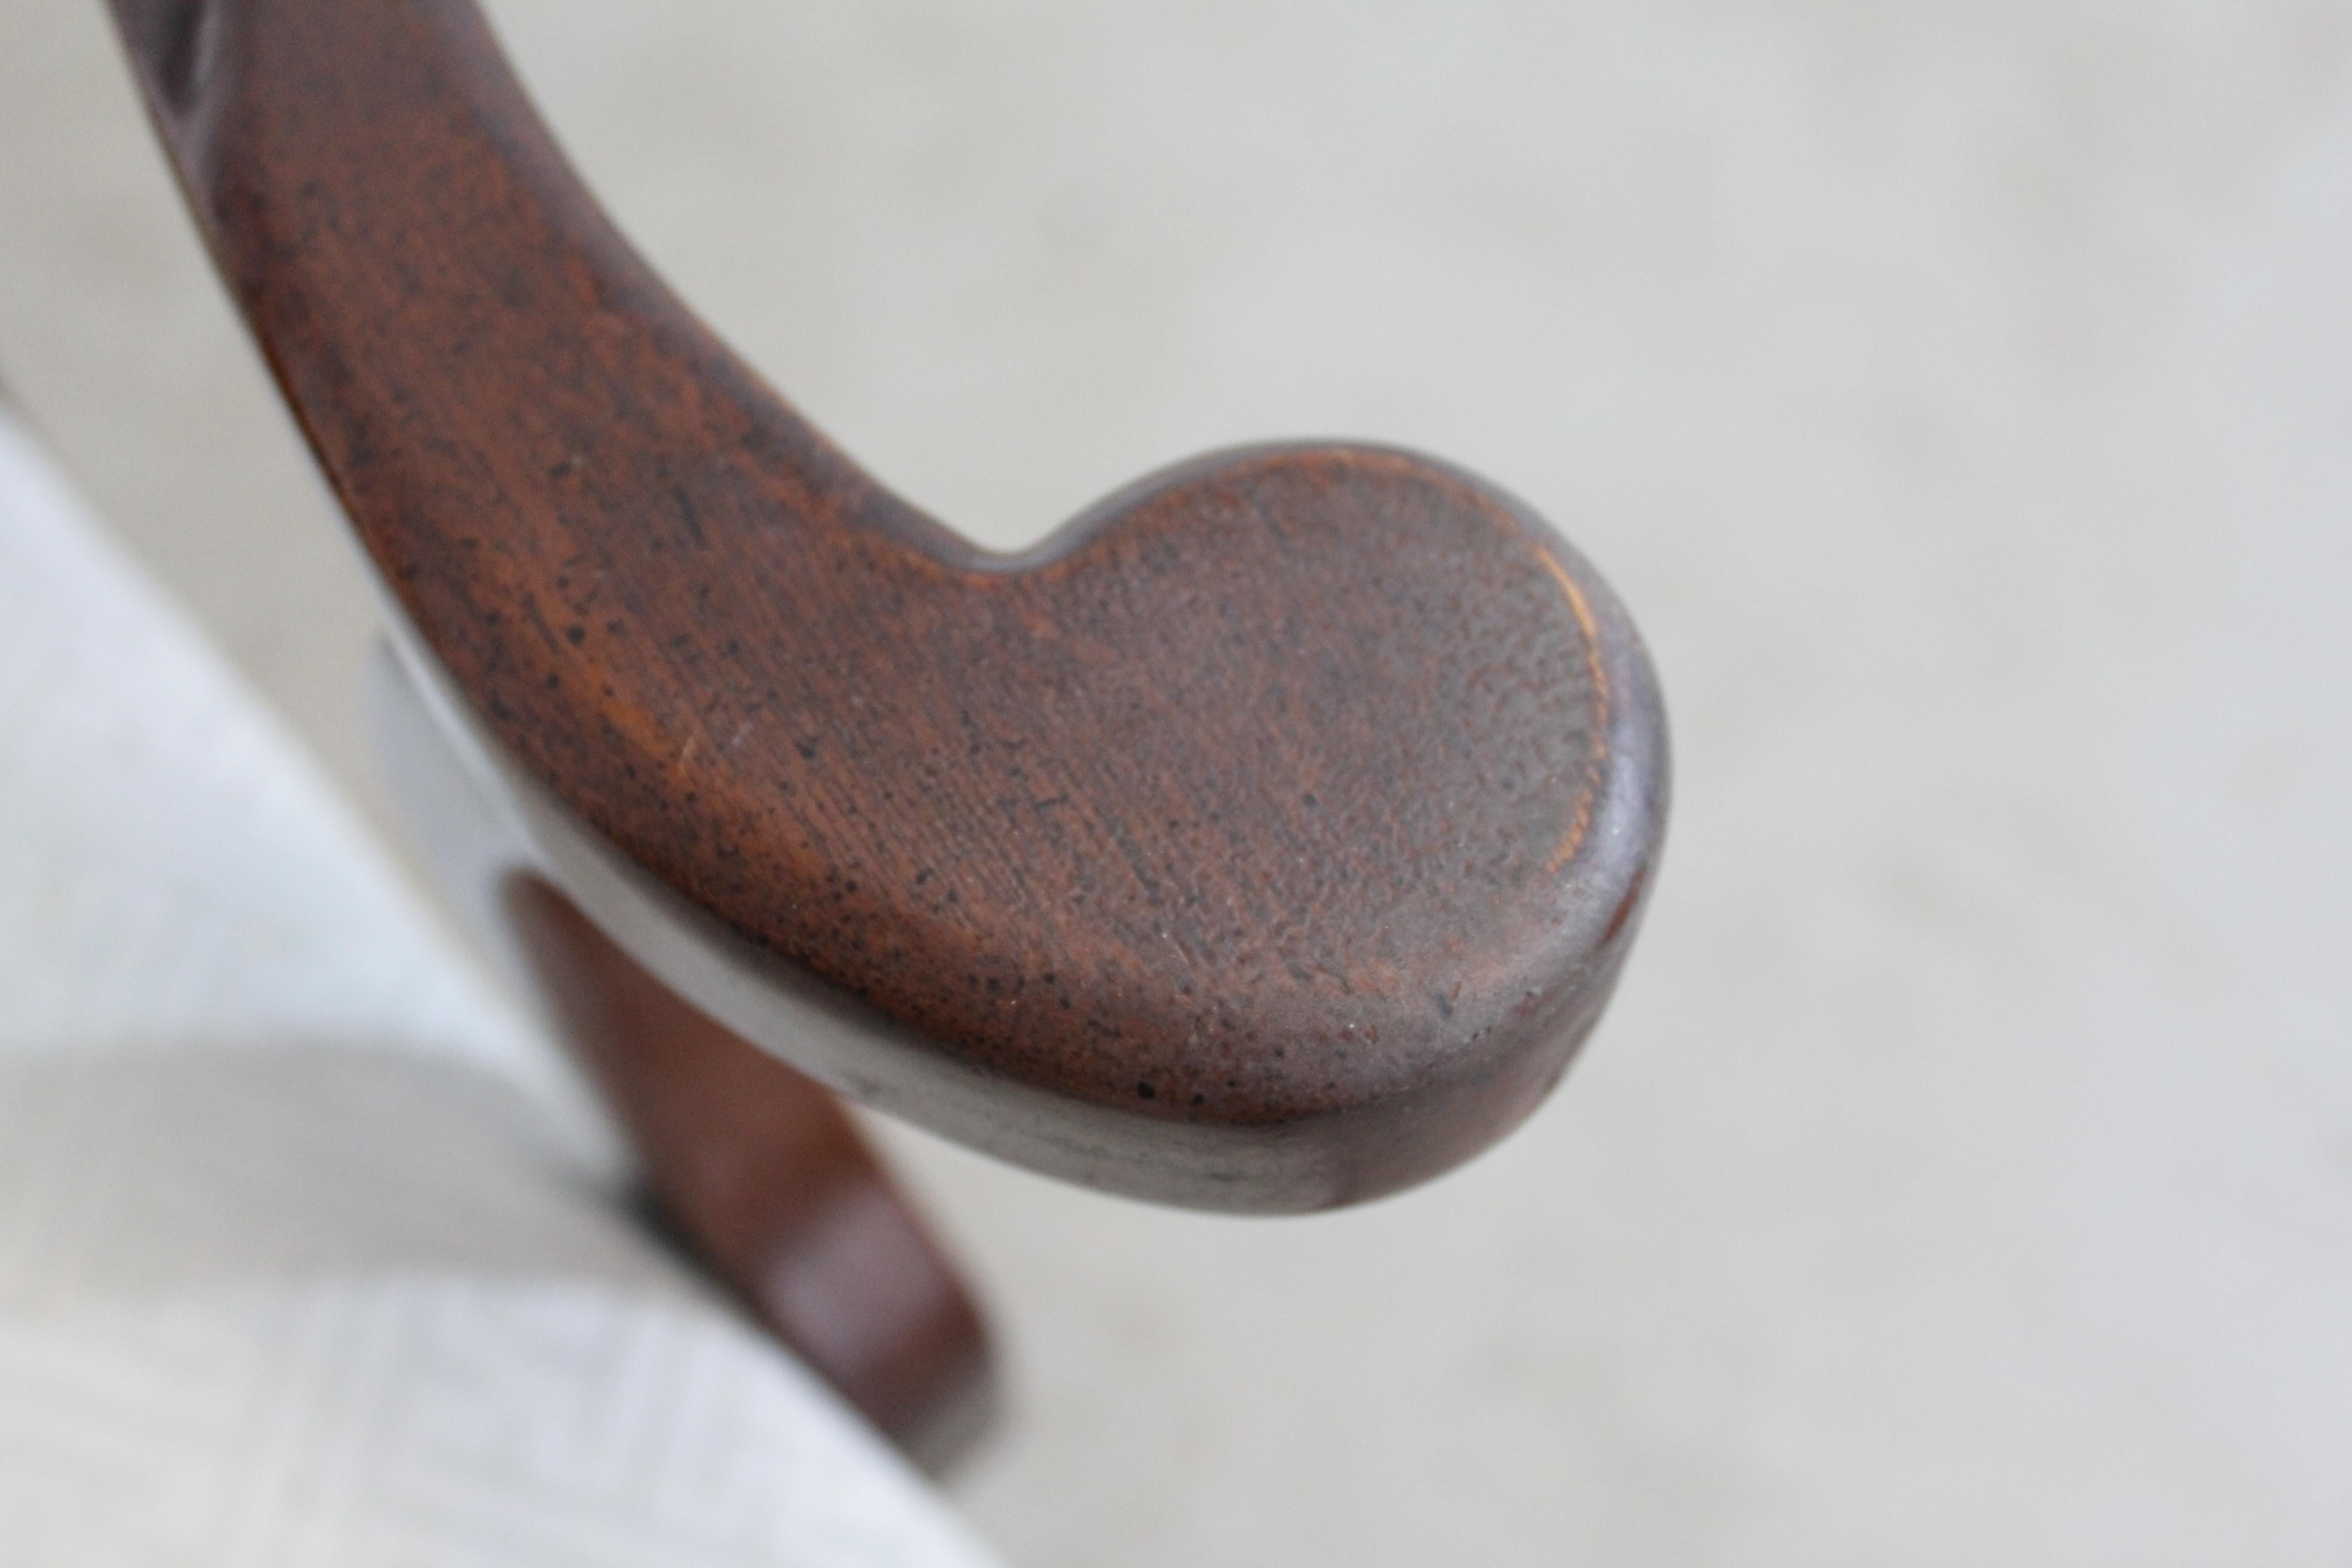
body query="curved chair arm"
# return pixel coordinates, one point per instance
(1268, 839)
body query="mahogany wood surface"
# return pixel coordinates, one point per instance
(1299, 799)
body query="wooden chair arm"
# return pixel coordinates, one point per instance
(1268, 839)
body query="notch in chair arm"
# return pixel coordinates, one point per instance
(1268, 838)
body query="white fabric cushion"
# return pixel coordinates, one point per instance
(298, 1262)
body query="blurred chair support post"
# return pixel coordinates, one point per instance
(758, 1169)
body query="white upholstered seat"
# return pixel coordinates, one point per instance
(306, 1255)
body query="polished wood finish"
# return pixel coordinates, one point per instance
(1284, 820)
(762, 1174)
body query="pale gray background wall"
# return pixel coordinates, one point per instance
(1960, 397)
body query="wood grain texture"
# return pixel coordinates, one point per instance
(1301, 795)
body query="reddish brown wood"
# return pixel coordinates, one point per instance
(763, 1174)
(1273, 833)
